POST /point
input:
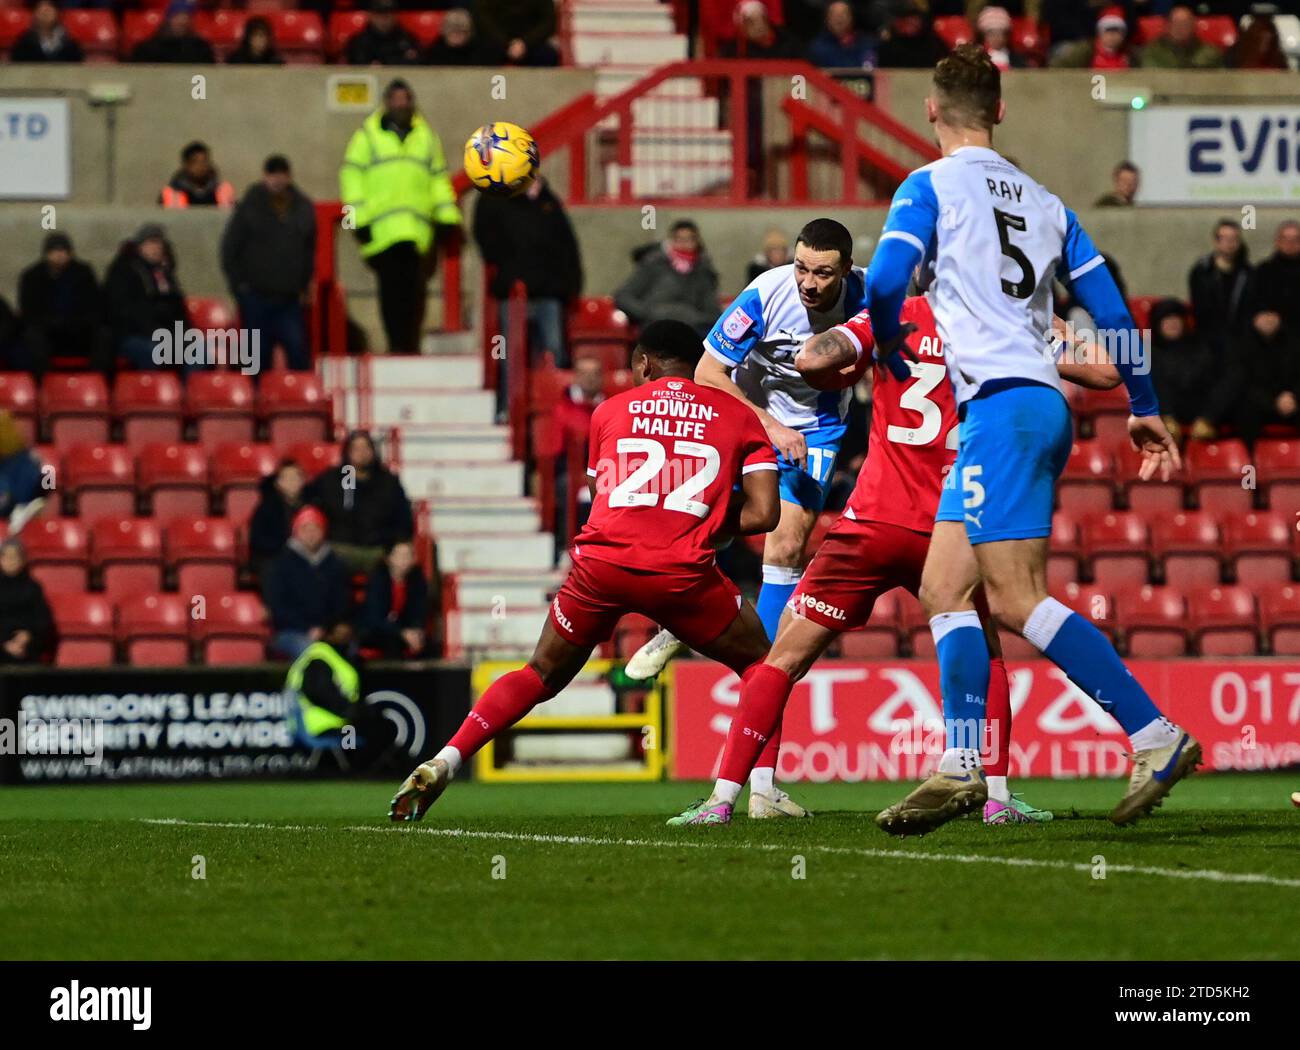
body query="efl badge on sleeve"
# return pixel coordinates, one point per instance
(737, 324)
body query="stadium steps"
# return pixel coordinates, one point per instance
(507, 633)
(497, 588)
(485, 514)
(501, 550)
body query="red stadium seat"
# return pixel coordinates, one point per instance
(128, 552)
(57, 551)
(1094, 604)
(202, 552)
(222, 404)
(1187, 544)
(1063, 554)
(100, 480)
(75, 407)
(1218, 471)
(879, 639)
(1153, 620)
(632, 632)
(295, 407)
(1150, 27)
(95, 31)
(1140, 307)
(137, 27)
(175, 478)
(18, 398)
(147, 405)
(1224, 620)
(1115, 546)
(1147, 497)
(234, 630)
(1257, 544)
(343, 26)
(954, 30)
(299, 36)
(1279, 616)
(597, 319)
(423, 25)
(154, 630)
(1217, 30)
(14, 22)
(1103, 413)
(1278, 462)
(222, 29)
(315, 457)
(237, 472)
(85, 626)
(914, 626)
(1086, 482)
(1029, 38)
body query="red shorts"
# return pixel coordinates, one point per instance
(857, 562)
(696, 606)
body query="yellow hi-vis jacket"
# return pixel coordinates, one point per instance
(315, 719)
(397, 187)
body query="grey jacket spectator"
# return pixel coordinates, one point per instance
(269, 244)
(674, 280)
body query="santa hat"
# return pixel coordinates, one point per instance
(1112, 18)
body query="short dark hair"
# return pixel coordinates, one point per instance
(1125, 165)
(968, 87)
(193, 148)
(276, 163)
(684, 224)
(397, 84)
(827, 235)
(671, 341)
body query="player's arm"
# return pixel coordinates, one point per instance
(1083, 362)
(909, 228)
(760, 509)
(1083, 268)
(837, 358)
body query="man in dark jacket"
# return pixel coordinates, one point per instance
(364, 503)
(307, 590)
(142, 295)
(910, 41)
(1277, 280)
(46, 40)
(26, 624)
(673, 281)
(1219, 285)
(529, 238)
(457, 45)
(176, 40)
(272, 521)
(519, 29)
(268, 253)
(61, 308)
(1190, 386)
(383, 42)
(396, 608)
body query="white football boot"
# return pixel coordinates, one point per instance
(653, 657)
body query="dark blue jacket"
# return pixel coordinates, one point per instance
(20, 480)
(375, 620)
(301, 595)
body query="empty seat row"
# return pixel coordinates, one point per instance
(158, 630)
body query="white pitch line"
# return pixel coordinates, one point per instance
(1193, 874)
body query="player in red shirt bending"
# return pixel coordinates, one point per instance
(880, 542)
(675, 468)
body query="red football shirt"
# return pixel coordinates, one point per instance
(913, 438)
(666, 457)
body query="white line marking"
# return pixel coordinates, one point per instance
(1193, 874)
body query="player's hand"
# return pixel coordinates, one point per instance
(790, 443)
(895, 352)
(1151, 437)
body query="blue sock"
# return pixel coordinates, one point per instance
(778, 584)
(1090, 662)
(963, 675)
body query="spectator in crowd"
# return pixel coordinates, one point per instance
(457, 45)
(674, 280)
(1187, 381)
(1179, 47)
(521, 30)
(364, 504)
(775, 252)
(756, 36)
(268, 253)
(1266, 361)
(910, 41)
(26, 623)
(396, 608)
(842, 45)
(21, 492)
(397, 191)
(11, 353)
(61, 308)
(383, 41)
(993, 30)
(307, 590)
(46, 40)
(142, 295)
(196, 183)
(570, 427)
(176, 40)
(256, 46)
(1277, 280)
(271, 524)
(1124, 181)
(529, 238)
(1258, 46)
(1107, 50)
(1219, 287)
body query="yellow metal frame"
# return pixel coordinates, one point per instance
(485, 768)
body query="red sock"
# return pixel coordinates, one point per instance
(772, 749)
(997, 716)
(503, 704)
(757, 722)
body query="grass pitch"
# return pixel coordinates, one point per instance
(313, 871)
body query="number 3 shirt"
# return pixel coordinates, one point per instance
(996, 239)
(667, 457)
(913, 429)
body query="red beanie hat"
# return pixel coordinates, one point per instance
(307, 515)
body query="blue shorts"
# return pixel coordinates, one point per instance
(809, 488)
(1014, 444)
